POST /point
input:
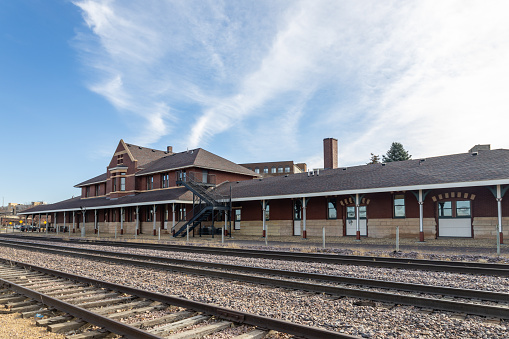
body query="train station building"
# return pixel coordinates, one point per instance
(150, 191)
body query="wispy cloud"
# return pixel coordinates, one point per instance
(274, 78)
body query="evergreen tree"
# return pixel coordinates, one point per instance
(396, 153)
(375, 159)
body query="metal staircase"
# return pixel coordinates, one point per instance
(206, 201)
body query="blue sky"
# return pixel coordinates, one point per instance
(251, 81)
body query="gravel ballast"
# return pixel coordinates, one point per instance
(338, 314)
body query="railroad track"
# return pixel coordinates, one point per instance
(404, 263)
(467, 301)
(88, 308)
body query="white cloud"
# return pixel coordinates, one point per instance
(280, 76)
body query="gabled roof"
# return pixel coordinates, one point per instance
(95, 180)
(145, 155)
(180, 194)
(195, 158)
(485, 168)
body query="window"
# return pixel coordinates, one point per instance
(113, 184)
(122, 183)
(267, 211)
(332, 212)
(463, 209)
(445, 209)
(120, 159)
(265, 169)
(257, 170)
(181, 176)
(97, 189)
(350, 212)
(399, 206)
(150, 182)
(287, 169)
(297, 204)
(273, 169)
(280, 169)
(181, 212)
(237, 214)
(87, 191)
(165, 180)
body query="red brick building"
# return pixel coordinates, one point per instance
(459, 195)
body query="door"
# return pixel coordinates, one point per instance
(454, 219)
(351, 221)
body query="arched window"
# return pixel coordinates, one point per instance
(257, 170)
(273, 169)
(265, 169)
(287, 169)
(280, 169)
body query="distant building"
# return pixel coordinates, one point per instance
(276, 168)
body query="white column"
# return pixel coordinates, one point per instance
(64, 221)
(304, 233)
(173, 222)
(55, 222)
(39, 222)
(47, 224)
(121, 220)
(154, 219)
(137, 220)
(83, 230)
(73, 221)
(263, 219)
(499, 206)
(95, 221)
(357, 204)
(421, 217)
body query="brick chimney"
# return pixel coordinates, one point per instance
(330, 153)
(169, 149)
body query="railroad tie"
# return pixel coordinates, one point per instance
(170, 318)
(202, 331)
(13, 298)
(54, 320)
(66, 326)
(99, 303)
(90, 335)
(120, 306)
(254, 334)
(167, 329)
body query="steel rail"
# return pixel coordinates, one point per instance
(214, 310)
(439, 290)
(405, 263)
(424, 302)
(81, 313)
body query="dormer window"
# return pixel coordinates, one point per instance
(87, 192)
(165, 180)
(97, 189)
(150, 182)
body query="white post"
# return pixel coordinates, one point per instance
(115, 231)
(323, 236)
(421, 218)
(137, 223)
(64, 221)
(47, 224)
(73, 222)
(83, 228)
(358, 229)
(121, 222)
(397, 238)
(173, 212)
(304, 235)
(96, 229)
(55, 223)
(263, 221)
(154, 219)
(159, 233)
(187, 232)
(499, 230)
(224, 228)
(39, 222)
